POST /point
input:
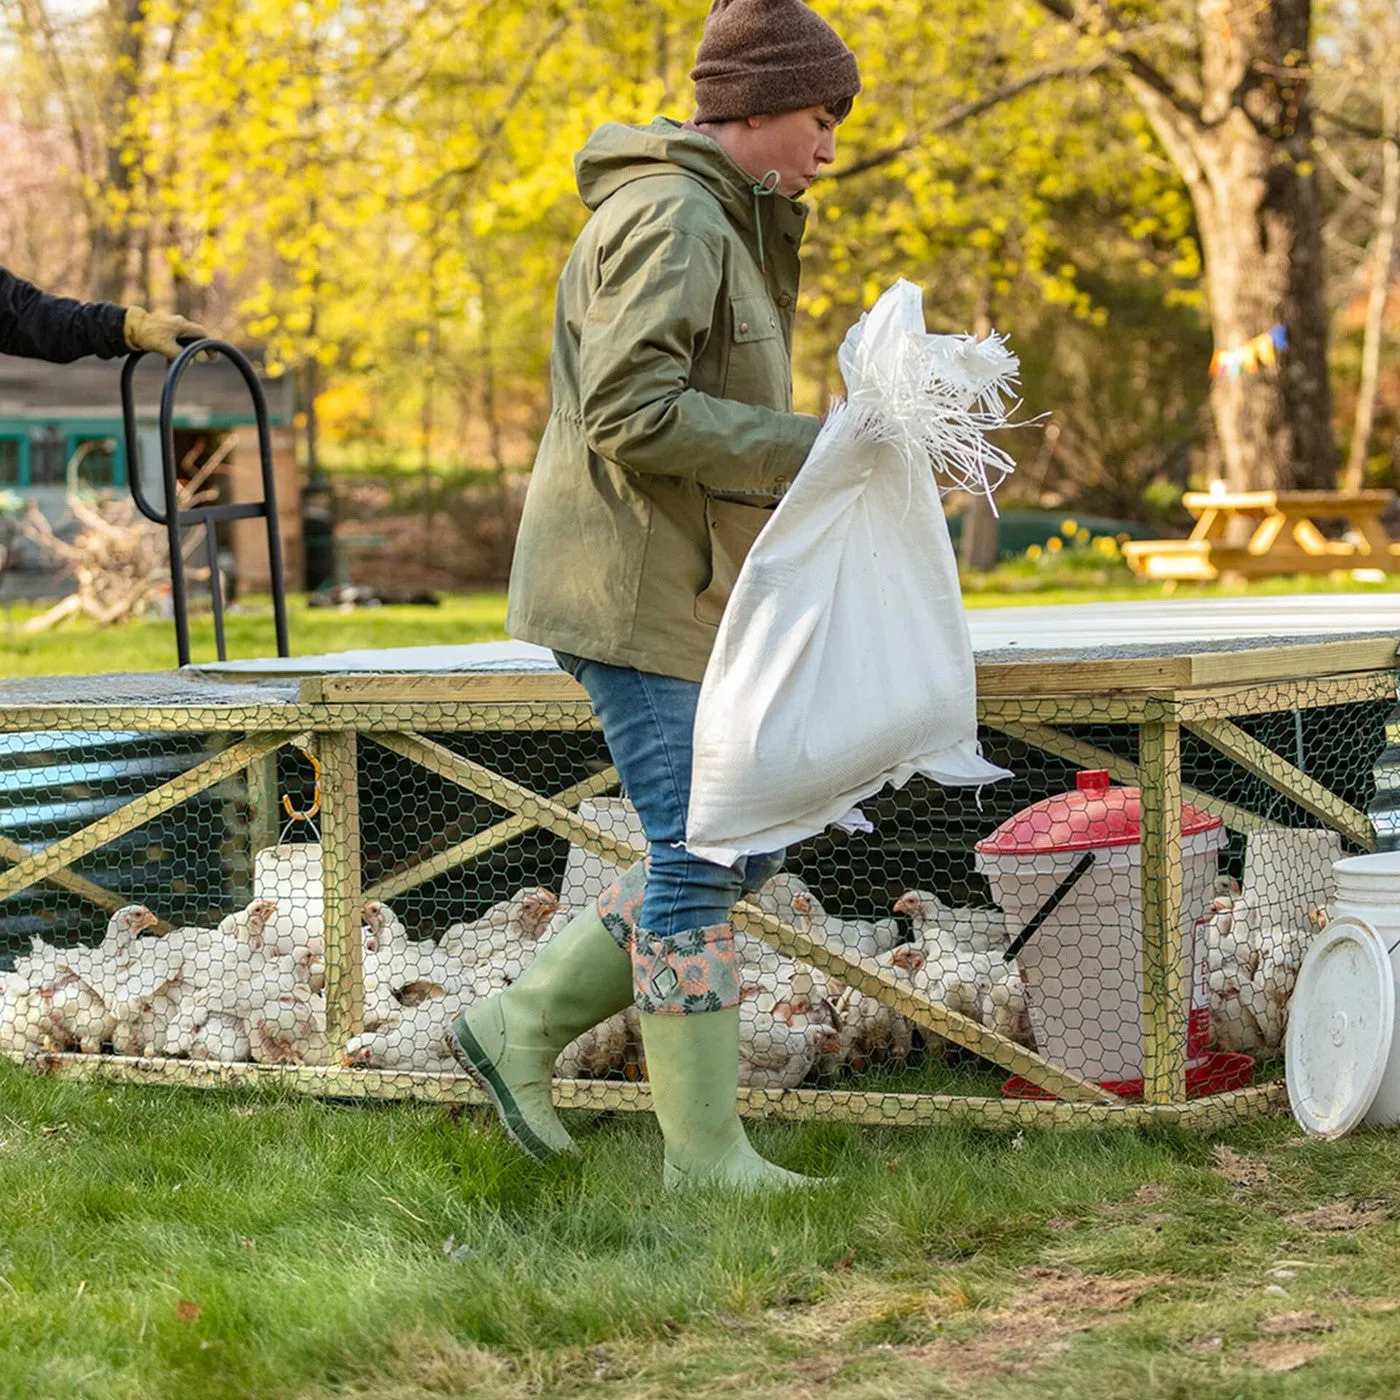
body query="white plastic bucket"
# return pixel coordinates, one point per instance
(291, 874)
(1368, 888)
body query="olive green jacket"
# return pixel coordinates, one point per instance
(672, 385)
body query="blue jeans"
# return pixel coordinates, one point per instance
(649, 722)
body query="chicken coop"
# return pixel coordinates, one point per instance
(216, 877)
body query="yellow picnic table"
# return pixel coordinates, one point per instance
(1280, 534)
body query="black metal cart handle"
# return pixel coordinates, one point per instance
(175, 520)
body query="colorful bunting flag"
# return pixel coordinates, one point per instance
(1260, 353)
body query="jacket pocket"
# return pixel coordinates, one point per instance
(757, 368)
(754, 319)
(732, 528)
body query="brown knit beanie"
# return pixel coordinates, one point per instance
(764, 56)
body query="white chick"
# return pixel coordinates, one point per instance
(871, 1032)
(415, 1039)
(1232, 963)
(290, 1030)
(749, 948)
(250, 923)
(378, 974)
(521, 919)
(297, 921)
(124, 928)
(211, 1035)
(77, 987)
(400, 971)
(1004, 1006)
(558, 922)
(982, 930)
(147, 1001)
(384, 932)
(859, 937)
(495, 974)
(774, 895)
(598, 1052)
(24, 1025)
(222, 972)
(783, 979)
(1267, 994)
(76, 999)
(963, 968)
(958, 978)
(778, 1046)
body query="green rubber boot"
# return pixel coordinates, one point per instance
(693, 1065)
(509, 1043)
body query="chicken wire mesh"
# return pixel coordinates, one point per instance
(197, 926)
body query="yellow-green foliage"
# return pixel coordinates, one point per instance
(388, 190)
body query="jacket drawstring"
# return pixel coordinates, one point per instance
(766, 186)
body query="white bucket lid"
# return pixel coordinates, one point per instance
(1340, 1026)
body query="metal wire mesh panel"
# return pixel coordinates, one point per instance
(324, 900)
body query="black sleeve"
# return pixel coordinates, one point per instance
(41, 327)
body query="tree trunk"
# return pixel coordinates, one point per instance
(1245, 156)
(980, 546)
(1383, 257)
(112, 234)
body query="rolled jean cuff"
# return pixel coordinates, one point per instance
(685, 973)
(620, 905)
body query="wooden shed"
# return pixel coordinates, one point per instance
(61, 427)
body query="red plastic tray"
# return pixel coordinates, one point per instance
(1218, 1073)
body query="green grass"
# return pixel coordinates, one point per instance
(149, 645)
(309, 1244)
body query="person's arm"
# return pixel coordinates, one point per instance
(649, 318)
(61, 329)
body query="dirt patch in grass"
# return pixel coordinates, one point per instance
(1291, 1323)
(1238, 1169)
(1034, 1326)
(1342, 1215)
(1277, 1355)
(1151, 1193)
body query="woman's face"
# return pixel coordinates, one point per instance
(795, 144)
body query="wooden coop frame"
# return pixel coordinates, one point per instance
(1161, 695)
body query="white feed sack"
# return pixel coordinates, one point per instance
(843, 661)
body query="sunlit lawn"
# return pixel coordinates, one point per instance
(185, 1245)
(149, 644)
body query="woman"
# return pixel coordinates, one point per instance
(672, 435)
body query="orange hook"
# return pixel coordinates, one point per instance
(292, 813)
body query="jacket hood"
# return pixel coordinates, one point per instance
(617, 154)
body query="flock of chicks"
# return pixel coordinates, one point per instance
(243, 990)
(1253, 958)
(797, 1019)
(252, 988)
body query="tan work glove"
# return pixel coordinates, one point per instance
(155, 330)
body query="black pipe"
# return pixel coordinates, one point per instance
(1077, 872)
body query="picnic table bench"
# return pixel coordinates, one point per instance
(1280, 536)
